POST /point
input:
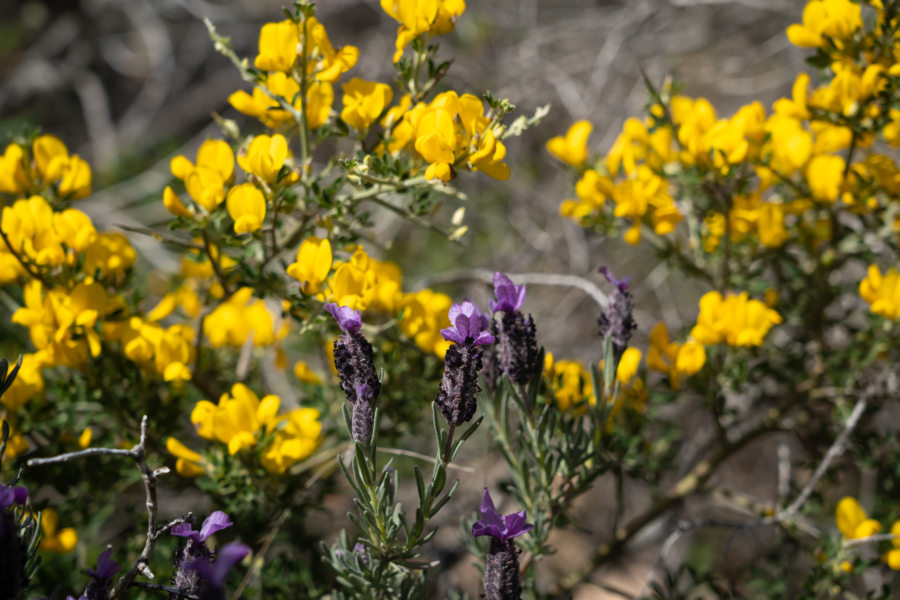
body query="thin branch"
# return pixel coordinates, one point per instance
(485, 276)
(149, 477)
(431, 459)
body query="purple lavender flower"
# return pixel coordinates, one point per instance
(510, 296)
(462, 363)
(12, 548)
(355, 363)
(499, 528)
(97, 589)
(467, 325)
(517, 336)
(213, 573)
(501, 569)
(186, 579)
(349, 320)
(616, 322)
(362, 419)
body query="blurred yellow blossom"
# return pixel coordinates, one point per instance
(54, 539)
(882, 292)
(734, 319)
(572, 148)
(247, 207)
(852, 521)
(313, 264)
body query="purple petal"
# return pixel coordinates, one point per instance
(226, 559)
(491, 523)
(20, 494)
(452, 335)
(106, 567)
(484, 338)
(516, 525)
(348, 319)
(202, 566)
(213, 523)
(185, 530)
(622, 284)
(10, 496)
(510, 296)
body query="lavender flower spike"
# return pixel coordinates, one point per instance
(214, 573)
(617, 321)
(467, 325)
(501, 567)
(499, 528)
(510, 296)
(348, 319)
(100, 578)
(217, 521)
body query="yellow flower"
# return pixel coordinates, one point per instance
(364, 101)
(237, 419)
(247, 206)
(13, 175)
(734, 319)
(74, 228)
(425, 313)
(319, 98)
(852, 521)
(572, 148)
(882, 292)
(326, 63)
(312, 265)
(265, 156)
(690, 358)
(297, 438)
(62, 541)
(29, 226)
(892, 556)
(27, 384)
(236, 319)
(174, 204)
(837, 19)
(305, 374)
(825, 174)
(569, 382)
(188, 463)
(789, 144)
(71, 174)
(417, 17)
(111, 254)
(84, 440)
(277, 46)
(206, 181)
(770, 225)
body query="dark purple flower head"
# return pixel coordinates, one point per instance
(348, 319)
(106, 567)
(213, 523)
(617, 321)
(510, 296)
(468, 326)
(499, 528)
(214, 573)
(12, 495)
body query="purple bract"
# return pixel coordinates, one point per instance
(12, 495)
(106, 567)
(499, 528)
(467, 325)
(509, 295)
(622, 284)
(213, 523)
(214, 574)
(348, 319)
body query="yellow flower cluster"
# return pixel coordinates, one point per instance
(449, 132)
(166, 351)
(853, 523)
(232, 322)
(52, 242)
(420, 17)
(674, 359)
(61, 541)
(242, 421)
(882, 292)
(63, 322)
(734, 319)
(570, 383)
(283, 47)
(48, 167)
(363, 283)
